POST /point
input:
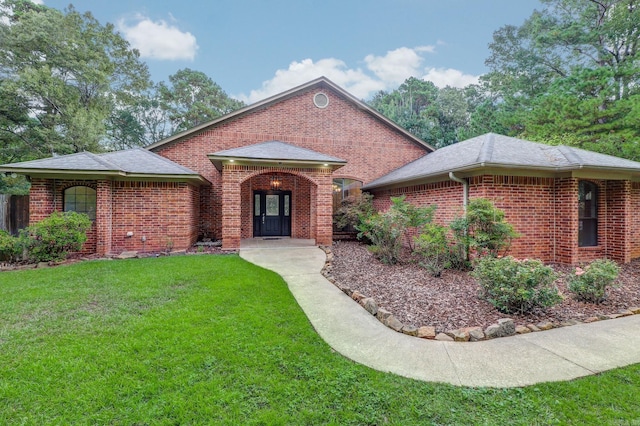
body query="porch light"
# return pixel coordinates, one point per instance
(275, 183)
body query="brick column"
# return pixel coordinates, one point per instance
(104, 217)
(231, 209)
(619, 221)
(566, 220)
(324, 211)
(41, 200)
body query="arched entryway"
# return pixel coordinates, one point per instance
(277, 203)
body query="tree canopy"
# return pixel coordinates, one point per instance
(61, 75)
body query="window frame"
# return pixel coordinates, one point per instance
(588, 193)
(87, 205)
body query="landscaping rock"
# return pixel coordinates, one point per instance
(508, 327)
(545, 325)
(475, 333)
(443, 337)
(626, 313)
(127, 255)
(635, 310)
(42, 265)
(613, 316)
(521, 329)
(393, 323)
(493, 331)
(591, 319)
(533, 327)
(460, 335)
(370, 305)
(382, 314)
(427, 332)
(410, 330)
(357, 296)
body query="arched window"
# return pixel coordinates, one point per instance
(81, 199)
(587, 214)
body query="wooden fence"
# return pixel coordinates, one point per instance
(14, 212)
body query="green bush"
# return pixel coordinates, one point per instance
(9, 248)
(483, 229)
(590, 284)
(53, 238)
(353, 210)
(432, 245)
(386, 231)
(516, 286)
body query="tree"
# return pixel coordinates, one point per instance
(61, 75)
(194, 98)
(570, 74)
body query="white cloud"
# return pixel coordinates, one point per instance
(381, 73)
(355, 81)
(397, 65)
(159, 40)
(442, 77)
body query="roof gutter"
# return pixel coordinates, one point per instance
(465, 190)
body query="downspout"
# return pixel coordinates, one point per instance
(465, 190)
(465, 203)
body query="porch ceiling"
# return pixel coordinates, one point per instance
(275, 153)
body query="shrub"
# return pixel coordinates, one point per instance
(386, 231)
(483, 229)
(54, 237)
(432, 245)
(516, 286)
(590, 284)
(9, 248)
(353, 210)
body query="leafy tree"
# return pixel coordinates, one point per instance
(61, 75)
(194, 98)
(410, 106)
(569, 74)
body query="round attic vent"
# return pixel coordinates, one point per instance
(320, 100)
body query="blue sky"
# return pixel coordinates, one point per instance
(257, 48)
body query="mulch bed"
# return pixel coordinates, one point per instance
(451, 301)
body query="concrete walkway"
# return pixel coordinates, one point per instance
(554, 355)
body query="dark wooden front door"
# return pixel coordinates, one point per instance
(271, 213)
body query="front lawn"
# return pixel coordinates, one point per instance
(216, 340)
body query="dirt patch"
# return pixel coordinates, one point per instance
(451, 301)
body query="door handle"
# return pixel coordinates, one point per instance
(263, 218)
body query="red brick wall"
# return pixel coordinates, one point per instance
(618, 225)
(528, 205)
(526, 202)
(634, 220)
(370, 147)
(544, 211)
(165, 212)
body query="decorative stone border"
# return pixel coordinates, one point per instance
(503, 328)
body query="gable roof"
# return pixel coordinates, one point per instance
(497, 152)
(321, 82)
(275, 152)
(130, 163)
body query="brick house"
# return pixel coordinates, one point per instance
(278, 167)
(568, 205)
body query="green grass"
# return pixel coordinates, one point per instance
(216, 340)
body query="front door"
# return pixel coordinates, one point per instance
(271, 213)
